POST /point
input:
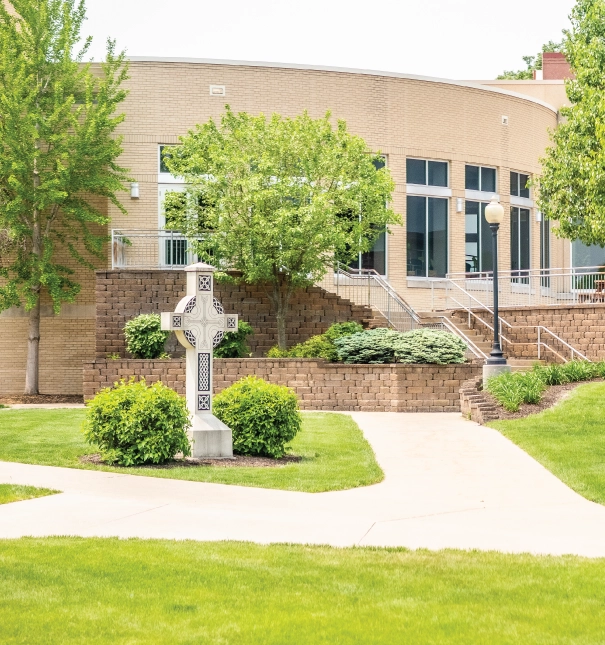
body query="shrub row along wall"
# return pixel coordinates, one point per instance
(582, 326)
(122, 295)
(318, 384)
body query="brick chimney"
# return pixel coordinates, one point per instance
(555, 67)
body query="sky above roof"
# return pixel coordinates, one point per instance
(458, 39)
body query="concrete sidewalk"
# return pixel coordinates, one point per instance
(449, 484)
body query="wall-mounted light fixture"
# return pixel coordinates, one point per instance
(538, 216)
(134, 190)
(459, 205)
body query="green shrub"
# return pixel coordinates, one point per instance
(263, 417)
(579, 371)
(552, 374)
(145, 338)
(371, 346)
(235, 343)
(134, 424)
(513, 389)
(338, 330)
(315, 347)
(276, 352)
(321, 346)
(430, 346)
(388, 346)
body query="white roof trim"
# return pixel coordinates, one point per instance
(346, 70)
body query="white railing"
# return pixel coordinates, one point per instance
(532, 287)
(367, 287)
(149, 249)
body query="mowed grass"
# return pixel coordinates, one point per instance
(568, 439)
(93, 591)
(14, 493)
(335, 454)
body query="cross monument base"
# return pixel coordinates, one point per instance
(210, 438)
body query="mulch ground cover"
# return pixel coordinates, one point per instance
(237, 461)
(19, 399)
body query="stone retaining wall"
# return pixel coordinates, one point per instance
(318, 384)
(122, 295)
(582, 326)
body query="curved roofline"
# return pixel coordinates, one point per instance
(346, 70)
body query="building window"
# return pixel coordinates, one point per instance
(163, 167)
(480, 179)
(545, 250)
(477, 238)
(519, 244)
(427, 237)
(423, 172)
(519, 184)
(376, 258)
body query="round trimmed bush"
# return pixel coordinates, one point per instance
(133, 423)
(144, 336)
(263, 417)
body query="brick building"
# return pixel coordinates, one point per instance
(450, 146)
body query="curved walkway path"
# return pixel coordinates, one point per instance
(449, 484)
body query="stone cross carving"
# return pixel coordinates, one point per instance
(200, 323)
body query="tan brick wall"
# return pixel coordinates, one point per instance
(319, 385)
(65, 343)
(122, 295)
(399, 116)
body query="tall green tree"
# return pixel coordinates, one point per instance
(58, 156)
(532, 63)
(281, 198)
(572, 185)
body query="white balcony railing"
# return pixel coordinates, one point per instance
(149, 249)
(529, 288)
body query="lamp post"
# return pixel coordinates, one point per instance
(496, 363)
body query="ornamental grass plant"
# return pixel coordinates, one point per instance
(512, 390)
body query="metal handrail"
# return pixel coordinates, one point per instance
(560, 340)
(477, 351)
(511, 343)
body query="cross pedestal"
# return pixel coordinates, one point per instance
(200, 323)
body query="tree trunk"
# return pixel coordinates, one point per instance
(281, 328)
(281, 299)
(33, 346)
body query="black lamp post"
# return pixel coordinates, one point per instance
(494, 214)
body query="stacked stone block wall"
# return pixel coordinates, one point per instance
(122, 295)
(318, 384)
(581, 326)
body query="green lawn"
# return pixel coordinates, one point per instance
(335, 454)
(70, 590)
(13, 493)
(568, 439)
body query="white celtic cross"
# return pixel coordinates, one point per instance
(200, 323)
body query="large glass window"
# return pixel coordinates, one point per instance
(519, 244)
(477, 238)
(545, 251)
(427, 236)
(519, 184)
(423, 172)
(587, 256)
(376, 257)
(480, 178)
